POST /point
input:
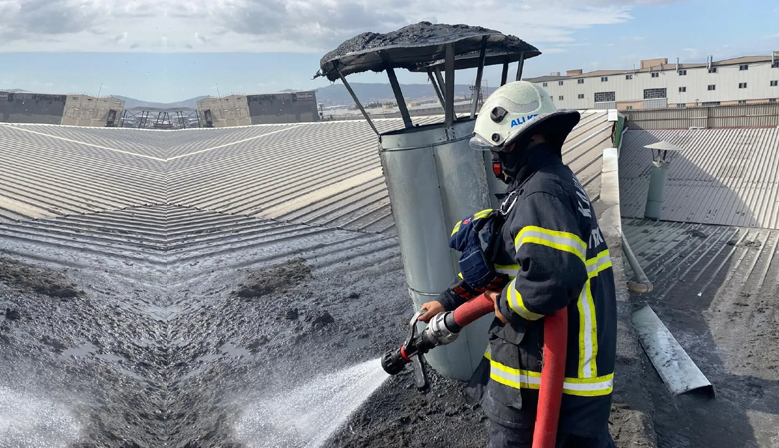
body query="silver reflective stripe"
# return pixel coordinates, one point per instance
(585, 334)
(599, 386)
(595, 265)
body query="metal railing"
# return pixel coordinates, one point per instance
(765, 115)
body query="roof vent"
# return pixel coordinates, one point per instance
(662, 152)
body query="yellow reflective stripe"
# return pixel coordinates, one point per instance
(482, 214)
(564, 241)
(598, 264)
(460, 274)
(527, 379)
(588, 334)
(507, 269)
(595, 387)
(456, 228)
(597, 380)
(517, 305)
(518, 379)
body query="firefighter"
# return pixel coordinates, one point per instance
(548, 247)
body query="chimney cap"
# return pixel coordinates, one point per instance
(664, 146)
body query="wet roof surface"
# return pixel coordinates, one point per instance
(715, 276)
(159, 228)
(722, 176)
(715, 288)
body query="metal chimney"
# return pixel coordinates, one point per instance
(433, 177)
(662, 152)
(504, 53)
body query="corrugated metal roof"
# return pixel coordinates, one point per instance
(701, 259)
(41, 176)
(723, 176)
(321, 174)
(343, 187)
(715, 288)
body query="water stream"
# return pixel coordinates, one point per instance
(305, 417)
(29, 421)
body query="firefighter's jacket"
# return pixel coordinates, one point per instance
(554, 251)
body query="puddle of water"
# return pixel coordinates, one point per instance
(307, 416)
(234, 351)
(209, 358)
(79, 352)
(27, 421)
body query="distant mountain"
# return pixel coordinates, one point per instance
(336, 94)
(14, 90)
(132, 103)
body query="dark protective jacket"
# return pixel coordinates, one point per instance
(556, 255)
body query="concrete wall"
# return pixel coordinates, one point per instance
(85, 110)
(296, 107)
(227, 111)
(727, 79)
(31, 108)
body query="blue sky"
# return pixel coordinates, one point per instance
(176, 50)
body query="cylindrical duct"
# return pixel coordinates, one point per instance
(434, 180)
(656, 195)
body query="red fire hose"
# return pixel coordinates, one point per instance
(473, 309)
(552, 374)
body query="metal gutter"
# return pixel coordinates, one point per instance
(610, 196)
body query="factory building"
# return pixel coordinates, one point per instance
(25, 107)
(243, 110)
(658, 85)
(297, 107)
(75, 110)
(85, 110)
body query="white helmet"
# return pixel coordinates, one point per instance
(519, 109)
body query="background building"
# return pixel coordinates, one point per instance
(658, 84)
(243, 110)
(226, 111)
(77, 110)
(86, 110)
(26, 107)
(297, 107)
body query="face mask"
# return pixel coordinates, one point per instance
(506, 166)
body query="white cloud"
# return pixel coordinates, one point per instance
(691, 53)
(279, 25)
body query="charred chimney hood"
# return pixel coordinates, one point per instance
(426, 47)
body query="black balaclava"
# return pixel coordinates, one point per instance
(518, 164)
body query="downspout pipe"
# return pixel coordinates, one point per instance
(643, 286)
